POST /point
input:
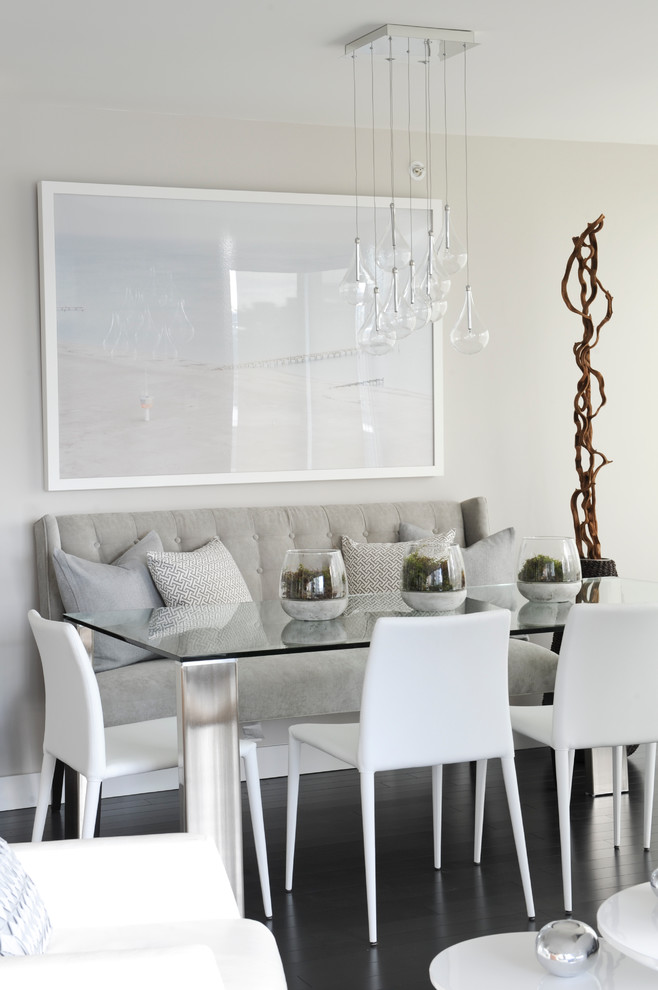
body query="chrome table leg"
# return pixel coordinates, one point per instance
(209, 759)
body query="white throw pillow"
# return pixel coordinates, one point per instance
(24, 922)
(207, 576)
(374, 568)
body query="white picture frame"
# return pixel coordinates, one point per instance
(194, 336)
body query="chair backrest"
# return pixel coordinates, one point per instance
(435, 691)
(74, 730)
(606, 683)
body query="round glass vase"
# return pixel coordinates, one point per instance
(549, 569)
(433, 578)
(313, 584)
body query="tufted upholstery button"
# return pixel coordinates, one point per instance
(259, 570)
(256, 536)
(329, 536)
(365, 532)
(96, 545)
(291, 535)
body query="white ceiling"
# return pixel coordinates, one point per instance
(560, 69)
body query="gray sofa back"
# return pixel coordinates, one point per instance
(257, 538)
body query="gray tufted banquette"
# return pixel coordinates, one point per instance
(257, 538)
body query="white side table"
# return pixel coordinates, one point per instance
(508, 962)
(629, 921)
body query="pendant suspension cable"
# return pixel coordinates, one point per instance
(357, 239)
(445, 121)
(468, 253)
(374, 173)
(428, 155)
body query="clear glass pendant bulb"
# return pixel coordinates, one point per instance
(450, 255)
(392, 250)
(352, 289)
(372, 337)
(419, 303)
(437, 294)
(400, 322)
(469, 336)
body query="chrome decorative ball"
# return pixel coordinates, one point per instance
(566, 947)
(653, 880)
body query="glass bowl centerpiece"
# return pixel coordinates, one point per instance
(433, 578)
(549, 569)
(313, 584)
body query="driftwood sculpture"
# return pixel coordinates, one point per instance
(589, 460)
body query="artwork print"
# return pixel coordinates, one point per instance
(196, 336)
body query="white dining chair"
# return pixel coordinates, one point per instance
(606, 687)
(74, 733)
(434, 692)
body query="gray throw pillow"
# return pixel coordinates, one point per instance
(88, 586)
(207, 576)
(24, 922)
(489, 561)
(375, 568)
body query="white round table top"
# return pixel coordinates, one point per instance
(629, 921)
(508, 962)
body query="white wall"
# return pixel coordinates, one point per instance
(508, 411)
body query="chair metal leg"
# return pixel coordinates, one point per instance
(563, 803)
(649, 781)
(437, 811)
(92, 800)
(514, 804)
(45, 785)
(480, 791)
(294, 755)
(616, 793)
(250, 759)
(368, 816)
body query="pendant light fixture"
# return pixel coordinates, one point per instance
(468, 335)
(396, 294)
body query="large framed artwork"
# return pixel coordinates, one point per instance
(198, 337)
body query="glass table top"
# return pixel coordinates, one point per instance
(263, 628)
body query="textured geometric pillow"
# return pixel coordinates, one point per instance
(24, 922)
(373, 568)
(88, 586)
(207, 576)
(489, 561)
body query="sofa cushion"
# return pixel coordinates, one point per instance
(376, 567)
(207, 576)
(24, 922)
(89, 586)
(489, 561)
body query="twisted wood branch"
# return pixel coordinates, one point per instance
(585, 257)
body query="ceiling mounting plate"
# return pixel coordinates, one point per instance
(408, 38)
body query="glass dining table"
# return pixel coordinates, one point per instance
(209, 641)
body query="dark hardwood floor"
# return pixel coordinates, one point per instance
(321, 927)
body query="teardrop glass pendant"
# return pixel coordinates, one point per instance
(392, 250)
(469, 336)
(450, 255)
(352, 289)
(437, 292)
(372, 337)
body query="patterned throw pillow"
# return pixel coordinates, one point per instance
(24, 922)
(207, 576)
(374, 568)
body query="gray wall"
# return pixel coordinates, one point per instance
(508, 412)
